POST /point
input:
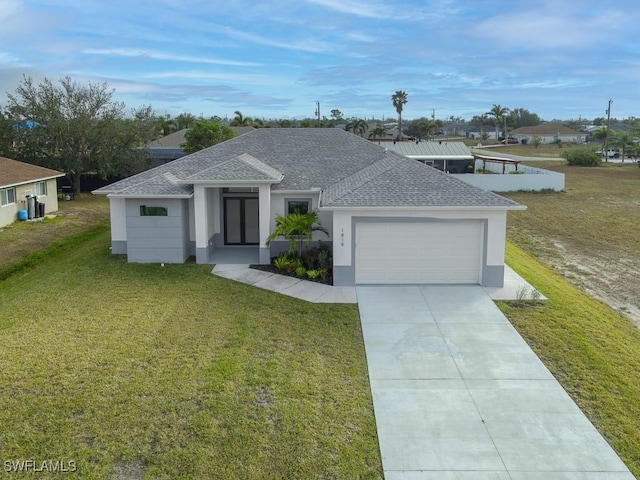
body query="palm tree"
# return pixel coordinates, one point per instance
(296, 227)
(399, 99)
(241, 121)
(185, 120)
(498, 112)
(426, 127)
(358, 126)
(166, 124)
(378, 131)
(626, 141)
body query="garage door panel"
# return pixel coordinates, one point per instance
(418, 252)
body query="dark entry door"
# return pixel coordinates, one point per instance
(241, 226)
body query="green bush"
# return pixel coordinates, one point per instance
(301, 272)
(581, 156)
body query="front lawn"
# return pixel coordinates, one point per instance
(143, 371)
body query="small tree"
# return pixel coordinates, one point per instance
(358, 126)
(296, 228)
(205, 133)
(626, 141)
(581, 156)
(378, 131)
(536, 140)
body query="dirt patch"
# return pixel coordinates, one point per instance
(612, 279)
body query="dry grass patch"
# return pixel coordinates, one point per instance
(21, 238)
(589, 233)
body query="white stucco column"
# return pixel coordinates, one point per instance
(264, 198)
(118, 213)
(200, 220)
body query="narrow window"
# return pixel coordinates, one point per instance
(40, 188)
(152, 211)
(7, 196)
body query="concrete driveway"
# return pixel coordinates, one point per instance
(458, 394)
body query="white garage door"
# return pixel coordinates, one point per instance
(418, 252)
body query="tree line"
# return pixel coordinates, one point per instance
(79, 128)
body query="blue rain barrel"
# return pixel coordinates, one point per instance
(22, 215)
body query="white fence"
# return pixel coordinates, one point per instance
(528, 178)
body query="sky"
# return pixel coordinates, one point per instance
(561, 59)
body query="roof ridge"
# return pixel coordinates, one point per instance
(259, 165)
(360, 178)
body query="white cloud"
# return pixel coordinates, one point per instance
(303, 44)
(133, 52)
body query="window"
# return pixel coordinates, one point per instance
(152, 211)
(40, 188)
(240, 190)
(7, 196)
(298, 206)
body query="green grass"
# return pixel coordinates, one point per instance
(593, 351)
(139, 371)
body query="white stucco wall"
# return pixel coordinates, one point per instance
(118, 213)
(9, 213)
(495, 233)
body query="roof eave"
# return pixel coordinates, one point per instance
(427, 207)
(157, 195)
(224, 183)
(25, 182)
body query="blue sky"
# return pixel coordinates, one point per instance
(275, 58)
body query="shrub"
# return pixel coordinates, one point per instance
(301, 272)
(313, 274)
(581, 156)
(282, 262)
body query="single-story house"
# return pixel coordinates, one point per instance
(22, 182)
(549, 133)
(476, 133)
(451, 157)
(391, 220)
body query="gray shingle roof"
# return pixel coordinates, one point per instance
(350, 170)
(405, 182)
(242, 167)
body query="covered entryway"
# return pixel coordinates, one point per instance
(241, 221)
(413, 252)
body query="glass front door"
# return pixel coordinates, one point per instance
(241, 224)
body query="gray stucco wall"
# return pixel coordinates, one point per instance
(153, 239)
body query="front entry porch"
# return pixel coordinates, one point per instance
(241, 255)
(231, 224)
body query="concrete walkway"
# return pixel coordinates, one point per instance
(458, 394)
(514, 285)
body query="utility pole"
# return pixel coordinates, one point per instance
(318, 111)
(606, 138)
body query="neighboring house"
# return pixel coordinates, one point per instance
(549, 133)
(476, 133)
(169, 147)
(18, 180)
(391, 219)
(451, 157)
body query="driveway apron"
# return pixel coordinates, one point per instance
(458, 394)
